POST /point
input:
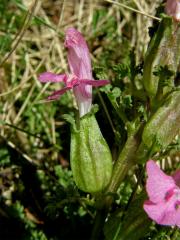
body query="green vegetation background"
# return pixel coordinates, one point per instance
(38, 198)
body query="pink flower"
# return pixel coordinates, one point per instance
(80, 79)
(173, 9)
(163, 205)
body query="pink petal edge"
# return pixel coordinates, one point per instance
(158, 183)
(162, 213)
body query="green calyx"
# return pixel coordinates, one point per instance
(90, 157)
(164, 125)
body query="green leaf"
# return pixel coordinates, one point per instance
(133, 225)
(4, 157)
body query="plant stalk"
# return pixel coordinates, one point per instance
(126, 160)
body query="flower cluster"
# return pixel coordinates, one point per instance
(80, 79)
(163, 205)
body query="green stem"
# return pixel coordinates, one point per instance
(126, 160)
(107, 113)
(120, 112)
(98, 224)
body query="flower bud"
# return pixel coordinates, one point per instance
(164, 125)
(163, 51)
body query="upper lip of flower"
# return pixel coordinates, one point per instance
(73, 38)
(70, 40)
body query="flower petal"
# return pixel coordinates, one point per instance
(51, 77)
(171, 218)
(58, 93)
(173, 9)
(80, 65)
(163, 213)
(95, 83)
(83, 98)
(78, 54)
(178, 217)
(158, 183)
(154, 211)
